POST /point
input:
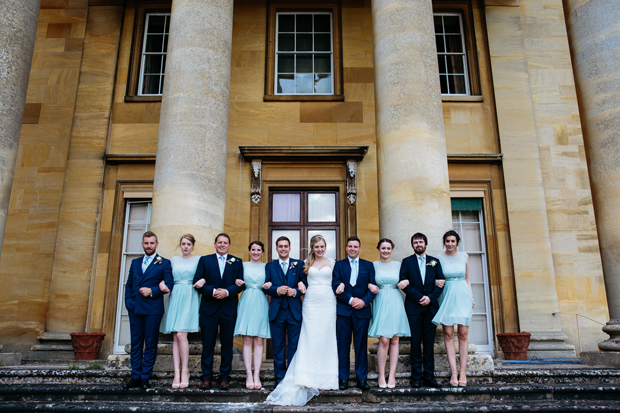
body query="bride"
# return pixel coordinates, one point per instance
(315, 363)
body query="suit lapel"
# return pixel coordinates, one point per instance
(148, 269)
(347, 272)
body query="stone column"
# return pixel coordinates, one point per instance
(594, 36)
(412, 166)
(18, 29)
(190, 172)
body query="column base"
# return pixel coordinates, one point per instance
(550, 344)
(600, 358)
(613, 329)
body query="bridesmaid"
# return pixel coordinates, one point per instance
(456, 304)
(252, 314)
(389, 321)
(181, 315)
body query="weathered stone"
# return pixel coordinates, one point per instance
(475, 363)
(164, 362)
(10, 359)
(600, 358)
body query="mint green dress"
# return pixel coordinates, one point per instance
(181, 314)
(455, 302)
(388, 309)
(253, 309)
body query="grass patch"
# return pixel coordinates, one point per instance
(94, 367)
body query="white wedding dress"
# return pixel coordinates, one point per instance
(315, 364)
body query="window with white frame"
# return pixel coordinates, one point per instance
(304, 59)
(154, 49)
(451, 54)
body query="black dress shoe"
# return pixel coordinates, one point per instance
(224, 385)
(146, 384)
(416, 384)
(343, 385)
(363, 385)
(431, 383)
(132, 383)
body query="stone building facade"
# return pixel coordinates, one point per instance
(345, 117)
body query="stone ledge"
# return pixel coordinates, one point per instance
(10, 359)
(599, 358)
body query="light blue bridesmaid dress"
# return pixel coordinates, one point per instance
(455, 302)
(252, 313)
(388, 309)
(181, 314)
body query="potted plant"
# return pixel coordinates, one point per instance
(86, 345)
(514, 345)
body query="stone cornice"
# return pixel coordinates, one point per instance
(336, 152)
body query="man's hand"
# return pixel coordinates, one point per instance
(162, 286)
(340, 289)
(440, 283)
(373, 288)
(266, 286)
(239, 282)
(282, 290)
(403, 284)
(357, 303)
(291, 292)
(425, 300)
(199, 283)
(220, 293)
(146, 291)
(301, 287)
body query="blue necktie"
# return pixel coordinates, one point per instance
(353, 273)
(222, 264)
(145, 263)
(422, 268)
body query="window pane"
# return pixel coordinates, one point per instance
(322, 63)
(304, 23)
(455, 64)
(304, 43)
(286, 63)
(156, 24)
(293, 235)
(455, 217)
(475, 268)
(471, 237)
(478, 290)
(152, 64)
(165, 43)
(322, 207)
(286, 83)
(286, 208)
(322, 83)
(438, 24)
(134, 238)
(470, 216)
(439, 41)
(441, 62)
(286, 23)
(457, 84)
(150, 85)
(322, 43)
(443, 81)
(154, 43)
(286, 42)
(322, 23)
(330, 240)
(454, 44)
(304, 83)
(167, 24)
(478, 330)
(452, 24)
(161, 87)
(304, 63)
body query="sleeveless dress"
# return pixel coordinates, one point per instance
(388, 308)
(315, 363)
(455, 302)
(182, 308)
(252, 313)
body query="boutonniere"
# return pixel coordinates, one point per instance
(432, 263)
(294, 264)
(231, 260)
(158, 260)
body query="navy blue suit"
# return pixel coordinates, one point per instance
(284, 312)
(216, 313)
(420, 317)
(350, 320)
(145, 313)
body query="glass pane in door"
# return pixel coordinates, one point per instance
(330, 240)
(286, 208)
(321, 207)
(293, 235)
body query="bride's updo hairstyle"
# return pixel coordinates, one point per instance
(311, 258)
(384, 240)
(451, 233)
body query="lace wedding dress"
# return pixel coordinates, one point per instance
(315, 364)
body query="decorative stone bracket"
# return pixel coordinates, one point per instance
(352, 181)
(256, 183)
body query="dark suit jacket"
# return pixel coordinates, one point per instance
(366, 275)
(275, 275)
(154, 274)
(410, 270)
(209, 269)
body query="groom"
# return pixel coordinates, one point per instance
(285, 308)
(421, 293)
(353, 310)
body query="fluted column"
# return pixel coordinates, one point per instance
(594, 36)
(412, 166)
(190, 172)
(18, 28)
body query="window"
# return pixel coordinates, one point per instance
(154, 49)
(300, 215)
(304, 56)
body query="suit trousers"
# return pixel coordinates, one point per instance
(358, 327)
(422, 332)
(282, 326)
(144, 330)
(208, 328)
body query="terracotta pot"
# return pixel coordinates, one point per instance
(86, 345)
(514, 345)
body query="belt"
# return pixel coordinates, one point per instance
(388, 286)
(258, 287)
(184, 282)
(455, 279)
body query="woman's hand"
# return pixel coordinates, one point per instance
(239, 282)
(473, 303)
(440, 283)
(199, 283)
(301, 287)
(340, 289)
(373, 288)
(267, 286)
(403, 284)
(163, 287)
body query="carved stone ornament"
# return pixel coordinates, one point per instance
(352, 181)
(255, 190)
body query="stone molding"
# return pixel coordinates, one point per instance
(313, 152)
(256, 190)
(352, 181)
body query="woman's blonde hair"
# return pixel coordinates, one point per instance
(311, 258)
